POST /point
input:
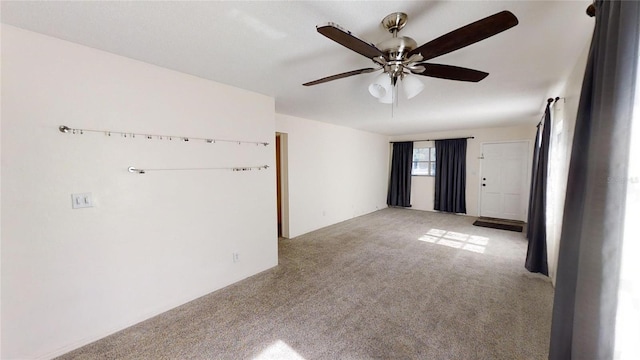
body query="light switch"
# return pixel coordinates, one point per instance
(79, 201)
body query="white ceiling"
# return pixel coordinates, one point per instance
(272, 47)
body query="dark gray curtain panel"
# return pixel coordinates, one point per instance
(585, 302)
(451, 176)
(400, 182)
(537, 226)
(534, 172)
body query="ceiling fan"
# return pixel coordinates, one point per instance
(400, 56)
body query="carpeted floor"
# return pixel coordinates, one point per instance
(394, 284)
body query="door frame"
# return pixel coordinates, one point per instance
(283, 172)
(528, 174)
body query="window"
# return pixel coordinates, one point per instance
(424, 162)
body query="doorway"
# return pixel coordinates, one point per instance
(282, 184)
(504, 190)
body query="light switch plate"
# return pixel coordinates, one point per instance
(79, 201)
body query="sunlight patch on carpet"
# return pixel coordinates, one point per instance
(456, 240)
(279, 351)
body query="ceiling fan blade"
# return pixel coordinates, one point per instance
(467, 35)
(340, 76)
(450, 72)
(346, 39)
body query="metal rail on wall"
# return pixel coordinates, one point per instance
(243, 168)
(78, 131)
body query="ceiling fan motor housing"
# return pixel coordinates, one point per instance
(397, 48)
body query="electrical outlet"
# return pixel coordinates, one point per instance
(79, 201)
(236, 257)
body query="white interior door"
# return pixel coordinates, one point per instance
(504, 190)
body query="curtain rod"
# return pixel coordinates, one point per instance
(549, 101)
(468, 137)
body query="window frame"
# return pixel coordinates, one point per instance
(431, 155)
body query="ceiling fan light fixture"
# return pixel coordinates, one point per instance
(381, 86)
(388, 96)
(411, 86)
(377, 91)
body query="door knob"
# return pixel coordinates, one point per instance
(484, 184)
(484, 178)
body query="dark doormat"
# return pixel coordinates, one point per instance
(498, 225)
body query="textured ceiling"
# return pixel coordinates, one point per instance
(272, 47)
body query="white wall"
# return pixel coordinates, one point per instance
(152, 241)
(335, 173)
(422, 187)
(562, 127)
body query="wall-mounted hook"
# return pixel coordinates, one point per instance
(134, 170)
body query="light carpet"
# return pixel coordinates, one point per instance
(394, 284)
